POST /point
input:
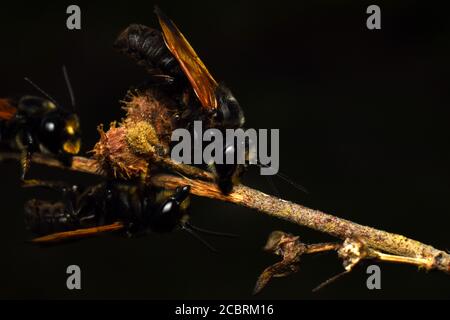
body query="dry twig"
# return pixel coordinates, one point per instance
(138, 147)
(352, 251)
(379, 243)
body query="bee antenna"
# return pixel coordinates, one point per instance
(285, 178)
(188, 229)
(69, 87)
(34, 85)
(210, 232)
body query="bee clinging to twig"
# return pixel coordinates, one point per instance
(173, 63)
(36, 124)
(170, 59)
(128, 208)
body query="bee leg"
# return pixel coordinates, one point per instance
(55, 185)
(226, 176)
(161, 79)
(65, 159)
(29, 145)
(25, 161)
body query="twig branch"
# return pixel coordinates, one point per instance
(315, 219)
(291, 249)
(352, 251)
(381, 241)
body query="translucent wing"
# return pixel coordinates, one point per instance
(201, 80)
(7, 111)
(79, 233)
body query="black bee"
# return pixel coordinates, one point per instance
(171, 61)
(127, 208)
(35, 124)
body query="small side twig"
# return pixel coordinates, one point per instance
(351, 251)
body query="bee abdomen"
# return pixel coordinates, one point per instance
(42, 217)
(146, 46)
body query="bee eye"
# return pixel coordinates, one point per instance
(168, 207)
(49, 126)
(49, 105)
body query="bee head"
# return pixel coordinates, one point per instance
(59, 129)
(60, 132)
(169, 212)
(229, 112)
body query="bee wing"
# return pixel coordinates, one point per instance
(79, 233)
(7, 111)
(201, 80)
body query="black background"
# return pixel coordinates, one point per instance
(363, 118)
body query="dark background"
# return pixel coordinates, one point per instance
(363, 118)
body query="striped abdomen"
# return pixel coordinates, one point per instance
(146, 46)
